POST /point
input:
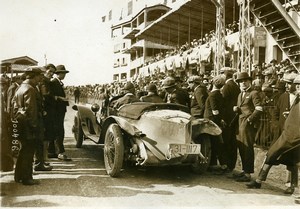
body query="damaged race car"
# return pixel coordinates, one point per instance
(146, 134)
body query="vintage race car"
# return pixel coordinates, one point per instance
(147, 134)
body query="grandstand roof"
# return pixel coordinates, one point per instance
(189, 20)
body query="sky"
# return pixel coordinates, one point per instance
(68, 32)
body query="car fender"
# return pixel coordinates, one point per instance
(86, 116)
(204, 126)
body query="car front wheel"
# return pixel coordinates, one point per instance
(113, 150)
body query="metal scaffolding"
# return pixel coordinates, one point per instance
(244, 53)
(219, 60)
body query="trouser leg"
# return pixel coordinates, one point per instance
(294, 175)
(263, 173)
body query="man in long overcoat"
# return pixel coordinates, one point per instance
(286, 149)
(249, 108)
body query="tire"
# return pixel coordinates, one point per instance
(113, 150)
(200, 166)
(78, 132)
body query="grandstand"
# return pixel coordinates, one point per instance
(193, 36)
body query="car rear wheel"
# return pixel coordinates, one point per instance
(78, 132)
(113, 150)
(200, 165)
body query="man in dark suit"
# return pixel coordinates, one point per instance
(175, 94)
(249, 108)
(60, 107)
(128, 97)
(152, 95)
(230, 92)
(214, 111)
(199, 96)
(286, 149)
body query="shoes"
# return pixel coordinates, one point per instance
(253, 185)
(43, 168)
(52, 155)
(63, 157)
(29, 182)
(297, 200)
(46, 163)
(243, 178)
(235, 175)
(289, 190)
(238, 175)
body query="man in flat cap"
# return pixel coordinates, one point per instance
(214, 111)
(28, 112)
(60, 107)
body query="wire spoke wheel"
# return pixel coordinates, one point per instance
(113, 150)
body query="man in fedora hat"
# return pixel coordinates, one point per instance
(152, 95)
(60, 107)
(128, 97)
(249, 109)
(199, 96)
(27, 110)
(175, 94)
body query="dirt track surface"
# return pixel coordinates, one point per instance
(83, 182)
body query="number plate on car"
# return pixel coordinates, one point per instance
(185, 148)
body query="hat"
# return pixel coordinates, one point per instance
(243, 76)
(268, 72)
(219, 81)
(228, 71)
(49, 66)
(280, 85)
(61, 69)
(194, 79)
(280, 72)
(128, 86)
(267, 89)
(168, 82)
(289, 77)
(273, 61)
(34, 69)
(151, 88)
(297, 80)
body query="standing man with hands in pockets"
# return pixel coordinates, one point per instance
(60, 107)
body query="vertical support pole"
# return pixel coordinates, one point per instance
(219, 60)
(244, 52)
